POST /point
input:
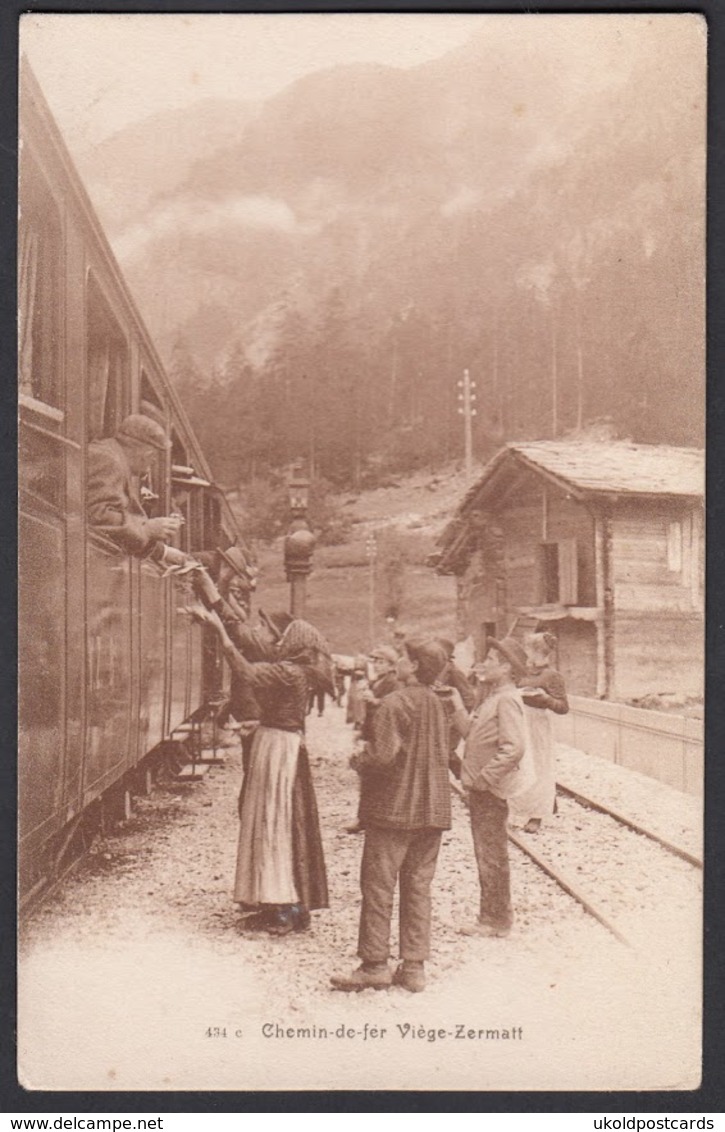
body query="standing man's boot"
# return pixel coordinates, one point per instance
(375, 975)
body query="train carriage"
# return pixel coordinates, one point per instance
(108, 666)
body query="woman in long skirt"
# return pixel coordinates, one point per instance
(543, 691)
(280, 864)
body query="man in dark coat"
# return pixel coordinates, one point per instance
(384, 661)
(408, 805)
(113, 502)
(114, 508)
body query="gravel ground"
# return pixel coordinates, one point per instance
(136, 976)
(641, 888)
(660, 808)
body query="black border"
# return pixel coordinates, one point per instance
(710, 1097)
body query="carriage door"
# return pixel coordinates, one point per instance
(151, 590)
(43, 457)
(108, 602)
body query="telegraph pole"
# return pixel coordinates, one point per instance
(467, 396)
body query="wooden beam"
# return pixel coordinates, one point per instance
(599, 597)
(608, 605)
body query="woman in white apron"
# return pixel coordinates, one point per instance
(543, 691)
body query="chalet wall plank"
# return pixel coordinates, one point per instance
(647, 573)
(662, 653)
(577, 655)
(631, 597)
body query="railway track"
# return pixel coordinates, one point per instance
(571, 887)
(591, 903)
(629, 823)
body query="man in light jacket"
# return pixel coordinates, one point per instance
(495, 743)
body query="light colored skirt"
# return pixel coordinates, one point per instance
(538, 802)
(265, 869)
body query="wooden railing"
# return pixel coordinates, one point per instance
(667, 747)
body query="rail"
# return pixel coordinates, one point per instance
(554, 871)
(629, 823)
(669, 748)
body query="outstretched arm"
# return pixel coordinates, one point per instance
(550, 693)
(239, 666)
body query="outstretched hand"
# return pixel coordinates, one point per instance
(164, 528)
(200, 613)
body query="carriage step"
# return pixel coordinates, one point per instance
(211, 757)
(193, 771)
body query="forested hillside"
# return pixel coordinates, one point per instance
(530, 209)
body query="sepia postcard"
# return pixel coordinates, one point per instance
(361, 417)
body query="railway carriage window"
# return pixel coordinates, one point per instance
(41, 469)
(178, 452)
(212, 520)
(180, 471)
(40, 263)
(155, 494)
(107, 366)
(180, 506)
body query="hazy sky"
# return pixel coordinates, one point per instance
(100, 72)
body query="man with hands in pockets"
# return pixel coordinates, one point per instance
(495, 736)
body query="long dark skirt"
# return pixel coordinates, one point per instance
(308, 861)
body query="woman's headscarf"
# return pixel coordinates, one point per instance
(304, 643)
(299, 637)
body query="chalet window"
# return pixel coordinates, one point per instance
(560, 572)
(39, 284)
(674, 547)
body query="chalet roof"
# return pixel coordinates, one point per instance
(645, 469)
(607, 466)
(582, 468)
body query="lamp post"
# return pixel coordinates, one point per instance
(299, 542)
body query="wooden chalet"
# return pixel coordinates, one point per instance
(602, 542)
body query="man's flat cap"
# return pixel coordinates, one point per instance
(143, 430)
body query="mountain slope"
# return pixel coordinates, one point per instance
(530, 207)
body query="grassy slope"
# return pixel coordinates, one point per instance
(410, 516)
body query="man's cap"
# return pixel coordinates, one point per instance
(384, 652)
(512, 651)
(429, 656)
(142, 430)
(238, 561)
(446, 645)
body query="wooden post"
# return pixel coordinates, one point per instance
(608, 605)
(601, 622)
(298, 595)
